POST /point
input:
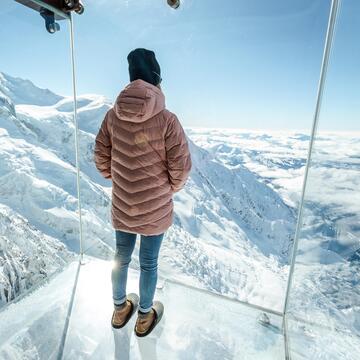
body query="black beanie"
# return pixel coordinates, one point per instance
(143, 65)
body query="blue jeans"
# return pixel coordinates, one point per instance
(149, 253)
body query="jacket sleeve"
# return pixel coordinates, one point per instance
(177, 154)
(102, 153)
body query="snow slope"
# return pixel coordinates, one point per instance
(27, 256)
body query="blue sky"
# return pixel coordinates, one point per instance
(238, 64)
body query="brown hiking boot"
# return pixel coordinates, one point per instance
(144, 322)
(121, 314)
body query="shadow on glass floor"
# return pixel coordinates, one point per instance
(196, 324)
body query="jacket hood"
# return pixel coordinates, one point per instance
(139, 101)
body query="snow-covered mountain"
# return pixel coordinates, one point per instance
(231, 232)
(234, 220)
(21, 91)
(38, 218)
(27, 256)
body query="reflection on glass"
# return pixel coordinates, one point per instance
(38, 201)
(323, 318)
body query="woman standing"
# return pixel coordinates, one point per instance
(142, 148)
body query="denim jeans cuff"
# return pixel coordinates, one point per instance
(120, 303)
(145, 310)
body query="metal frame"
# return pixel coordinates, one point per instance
(56, 11)
(76, 123)
(321, 86)
(77, 160)
(60, 354)
(237, 301)
(320, 93)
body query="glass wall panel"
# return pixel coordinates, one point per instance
(226, 67)
(38, 195)
(323, 312)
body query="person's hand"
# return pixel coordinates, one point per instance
(174, 3)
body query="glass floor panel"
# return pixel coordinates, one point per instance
(32, 327)
(321, 342)
(196, 324)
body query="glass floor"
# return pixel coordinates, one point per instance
(196, 324)
(320, 342)
(33, 326)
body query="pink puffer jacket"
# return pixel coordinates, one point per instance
(142, 147)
